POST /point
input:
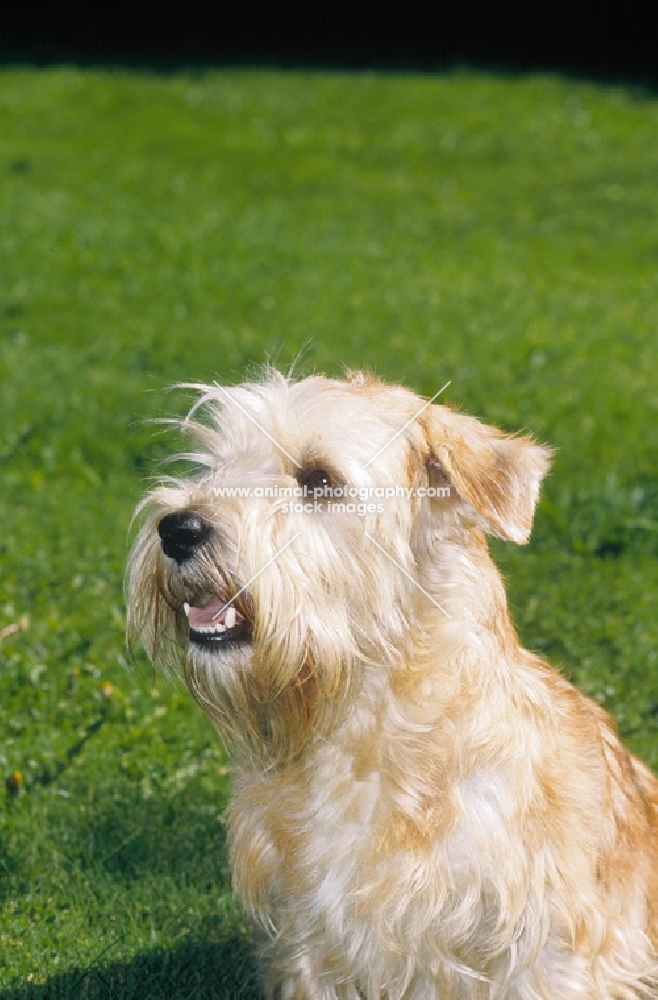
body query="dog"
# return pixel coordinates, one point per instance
(421, 808)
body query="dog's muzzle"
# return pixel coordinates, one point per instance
(182, 533)
(215, 623)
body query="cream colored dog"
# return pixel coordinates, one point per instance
(421, 807)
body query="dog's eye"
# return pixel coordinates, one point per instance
(315, 479)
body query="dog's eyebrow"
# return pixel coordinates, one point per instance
(259, 426)
(258, 573)
(397, 434)
(402, 570)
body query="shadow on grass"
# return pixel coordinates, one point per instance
(128, 838)
(123, 836)
(197, 970)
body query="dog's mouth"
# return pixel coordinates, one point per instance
(217, 624)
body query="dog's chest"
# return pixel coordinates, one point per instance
(307, 832)
(322, 828)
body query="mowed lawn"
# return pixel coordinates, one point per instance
(501, 233)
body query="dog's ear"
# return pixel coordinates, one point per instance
(497, 474)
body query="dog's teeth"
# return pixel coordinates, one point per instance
(186, 609)
(230, 618)
(210, 629)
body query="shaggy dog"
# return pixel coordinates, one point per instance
(421, 809)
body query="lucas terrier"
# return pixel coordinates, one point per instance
(421, 808)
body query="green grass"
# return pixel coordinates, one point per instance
(501, 233)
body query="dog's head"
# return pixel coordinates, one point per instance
(301, 554)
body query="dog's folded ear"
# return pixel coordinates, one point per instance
(497, 475)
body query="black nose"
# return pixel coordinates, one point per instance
(182, 533)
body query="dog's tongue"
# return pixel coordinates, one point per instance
(206, 615)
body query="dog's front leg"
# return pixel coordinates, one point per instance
(299, 978)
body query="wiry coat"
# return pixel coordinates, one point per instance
(421, 808)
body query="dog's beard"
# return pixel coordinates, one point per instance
(259, 726)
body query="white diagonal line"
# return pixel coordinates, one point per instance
(249, 582)
(424, 407)
(259, 426)
(408, 575)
